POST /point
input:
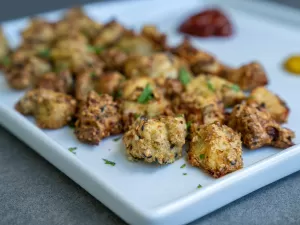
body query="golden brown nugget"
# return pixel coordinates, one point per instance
(59, 82)
(4, 51)
(156, 140)
(200, 62)
(158, 39)
(98, 117)
(248, 76)
(215, 148)
(164, 65)
(52, 110)
(199, 109)
(113, 58)
(109, 34)
(258, 128)
(109, 83)
(207, 85)
(142, 97)
(273, 103)
(22, 73)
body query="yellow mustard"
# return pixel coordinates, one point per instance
(292, 64)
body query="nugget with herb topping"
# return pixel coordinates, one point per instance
(273, 103)
(52, 110)
(258, 128)
(215, 148)
(98, 117)
(156, 140)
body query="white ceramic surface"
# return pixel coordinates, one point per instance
(149, 194)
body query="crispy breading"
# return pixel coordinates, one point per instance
(51, 110)
(4, 51)
(215, 148)
(76, 20)
(258, 128)
(109, 83)
(158, 39)
(207, 85)
(156, 140)
(198, 108)
(200, 62)
(163, 65)
(248, 76)
(22, 73)
(113, 58)
(98, 117)
(131, 108)
(109, 34)
(59, 82)
(273, 103)
(39, 31)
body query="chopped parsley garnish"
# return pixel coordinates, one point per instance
(109, 162)
(202, 156)
(184, 174)
(95, 49)
(118, 138)
(146, 95)
(210, 86)
(199, 186)
(72, 149)
(136, 116)
(72, 125)
(93, 74)
(118, 94)
(184, 165)
(5, 61)
(188, 125)
(179, 115)
(235, 87)
(184, 76)
(45, 53)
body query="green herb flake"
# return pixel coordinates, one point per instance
(5, 61)
(183, 166)
(45, 53)
(199, 186)
(117, 139)
(202, 156)
(118, 94)
(184, 76)
(210, 86)
(95, 49)
(184, 174)
(136, 116)
(109, 162)
(146, 95)
(188, 125)
(179, 115)
(93, 74)
(73, 149)
(235, 88)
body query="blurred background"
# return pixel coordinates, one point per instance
(16, 8)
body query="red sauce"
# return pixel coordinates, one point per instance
(207, 23)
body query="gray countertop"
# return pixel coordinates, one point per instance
(32, 191)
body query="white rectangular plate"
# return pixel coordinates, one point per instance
(149, 194)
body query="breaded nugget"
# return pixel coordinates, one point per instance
(98, 118)
(109, 83)
(132, 106)
(273, 103)
(76, 20)
(258, 128)
(215, 148)
(59, 82)
(109, 34)
(39, 31)
(4, 51)
(156, 140)
(51, 110)
(200, 62)
(198, 108)
(21, 74)
(158, 39)
(113, 58)
(248, 76)
(208, 85)
(163, 65)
